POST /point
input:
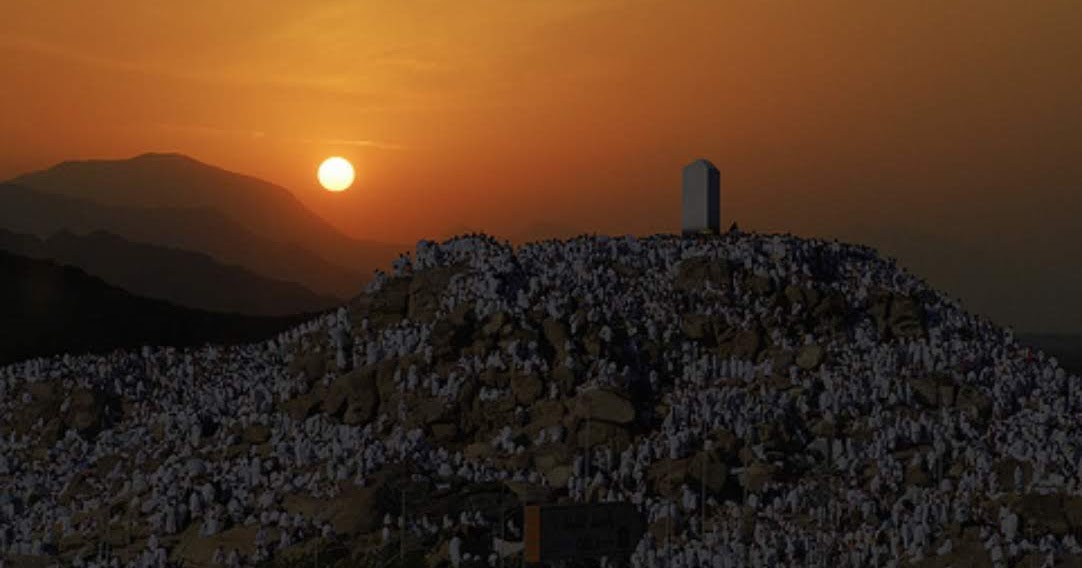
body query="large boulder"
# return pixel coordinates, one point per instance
(550, 456)
(1041, 514)
(906, 317)
(896, 315)
(605, 405)
(444, 431)
(425, 289)
(832, 304)
(391, 303)
(925, 390)
(600, 433)
(693, 273)
(193, 549)
(707, 467)
(745, 345)
(430, 411)
(695, 326)
(761, 285)
(356, 394)
(530, 492)
(756, 475)
(495, 323)
(782, 359)
(547, 413)
(933, 391)
(86, 412)
(556, 334)
(384, 379)
(667, 476)
(810, 357)
(257, 434)
(313, 365)
(526, 388)
(559, 476)
(1072, 510)
(353, 512)
(973, 401)
(301, 407)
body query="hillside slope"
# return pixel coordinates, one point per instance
(47, 309)
(831, 408)
(185, 278)
(199, 230)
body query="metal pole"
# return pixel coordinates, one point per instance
(702, 493)
(589, 418)
(402, 534)
(668, 518)
(668, 501)
(503, 525)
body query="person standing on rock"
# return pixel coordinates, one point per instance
(454, 550)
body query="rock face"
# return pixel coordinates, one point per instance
(811, 390)
(695, 273)
(707, 469)
(755, 476)
(354, 395)
(424, 293)
(556, 334)
(898, 316)
(89, 411)
(312, 365)
(256, 434)
(745, 345)
(810, 357)
(604, 405)
(527, 388)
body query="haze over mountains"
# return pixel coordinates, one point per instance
(174, 201)
(185, 278)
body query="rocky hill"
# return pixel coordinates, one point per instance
(831, 408)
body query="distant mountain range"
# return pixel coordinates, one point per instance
(175, 181)
(174, 201)
(48, 309)
(189, 279)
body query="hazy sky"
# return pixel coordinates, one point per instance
(897, 121)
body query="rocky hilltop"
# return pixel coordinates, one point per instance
(764, 400)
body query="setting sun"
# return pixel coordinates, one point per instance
(335, 174)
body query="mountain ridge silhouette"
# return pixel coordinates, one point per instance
(179, 181)
(189, 279)
(202, 230)
(48, 309)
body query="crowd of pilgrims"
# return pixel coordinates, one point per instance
(174, 474)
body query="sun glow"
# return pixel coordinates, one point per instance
(335, 174)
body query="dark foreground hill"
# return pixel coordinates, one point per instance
(185, 278)
(47, 309)
(760, 400)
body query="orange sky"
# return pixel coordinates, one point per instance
(826, 117)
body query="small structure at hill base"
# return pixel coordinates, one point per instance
(701, 199)
(581, 531)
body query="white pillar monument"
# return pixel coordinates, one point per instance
(702, 199)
